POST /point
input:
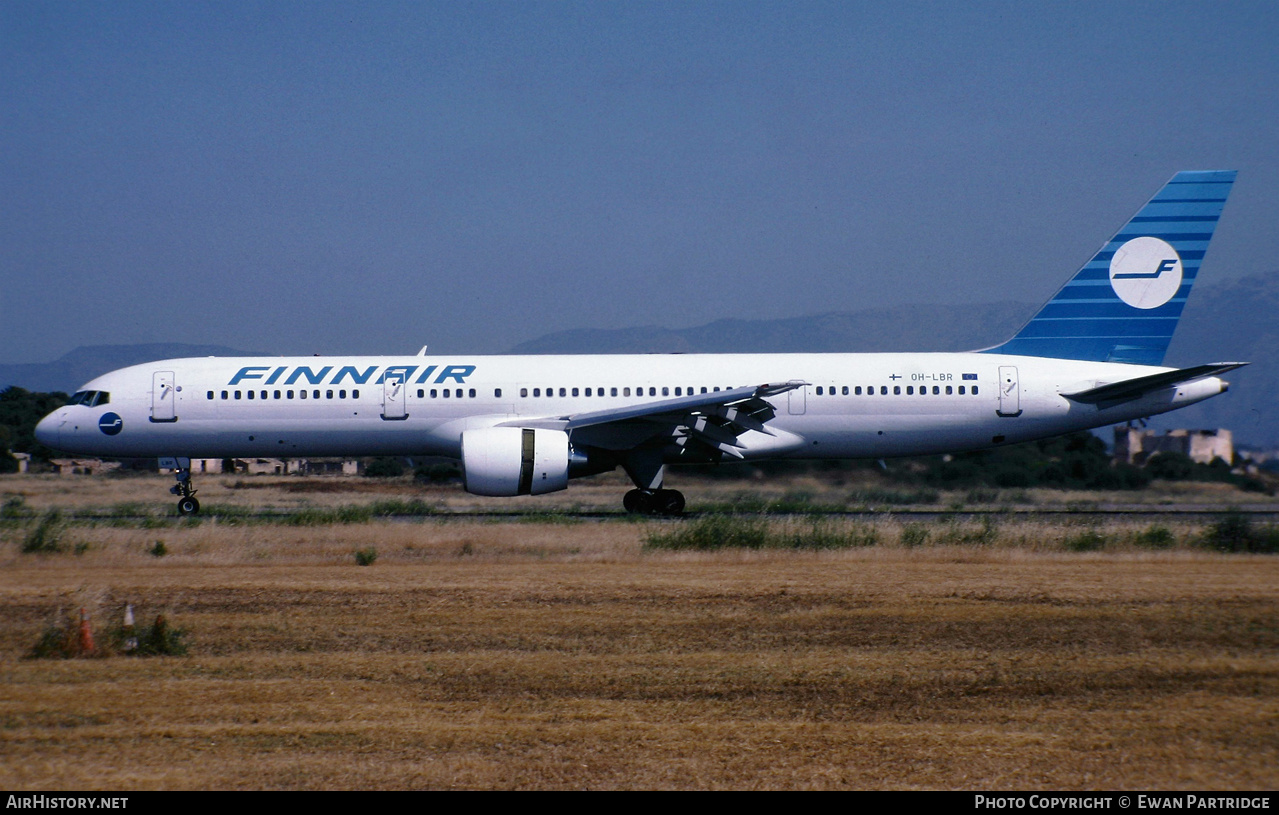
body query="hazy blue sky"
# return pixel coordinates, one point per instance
(369, 177)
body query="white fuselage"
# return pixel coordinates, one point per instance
(854, 405)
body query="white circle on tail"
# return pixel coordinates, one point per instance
(1145, 272)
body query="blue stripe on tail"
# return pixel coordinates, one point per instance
(1123, 305)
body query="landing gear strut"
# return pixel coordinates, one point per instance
(187, 505)
(654, 502)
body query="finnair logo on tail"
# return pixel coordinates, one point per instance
(1145, 272)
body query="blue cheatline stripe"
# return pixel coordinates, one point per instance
(1086, 319)
(1115, 309)
(1168, 219)
(1101, 277)
(1171, 237)
(1089, 288)
(1186, 254)
(1159, 327)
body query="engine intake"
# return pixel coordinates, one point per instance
(514, 461)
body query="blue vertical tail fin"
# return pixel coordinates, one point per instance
(1123, 305)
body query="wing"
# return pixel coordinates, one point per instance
(703, 427)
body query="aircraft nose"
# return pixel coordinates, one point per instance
(49, 430)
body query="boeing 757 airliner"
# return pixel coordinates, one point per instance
(525, 425)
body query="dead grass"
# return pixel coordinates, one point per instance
(566, 655)
(871, 669)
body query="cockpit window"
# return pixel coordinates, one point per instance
(90, 398)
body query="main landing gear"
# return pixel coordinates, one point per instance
(187, 505)
(654, 502)
(645, 467)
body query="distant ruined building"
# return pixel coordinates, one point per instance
(278, 466)
(1135, 446)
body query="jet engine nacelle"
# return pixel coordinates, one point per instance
(514, 461)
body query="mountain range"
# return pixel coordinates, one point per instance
(1236, 320)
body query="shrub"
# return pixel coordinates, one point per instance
(13, 509)
(384, 468)
(365, 557)
(914, 535)
(1155, 537)
(1170, 466)
(1235, 532)
(161, 639)
(158, 550)
(1089, 541)
(54, 643)
(46, 538)
(712, 532)
(437, 473)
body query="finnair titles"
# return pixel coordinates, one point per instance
(526, 425)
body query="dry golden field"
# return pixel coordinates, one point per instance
(551, 651)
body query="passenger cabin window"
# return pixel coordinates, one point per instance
(497, 393)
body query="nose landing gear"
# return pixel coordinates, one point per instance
(187, 503)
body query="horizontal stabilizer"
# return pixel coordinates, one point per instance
(1130, 389)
